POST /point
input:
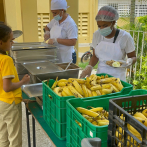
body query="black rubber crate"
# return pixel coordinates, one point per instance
(124, 106)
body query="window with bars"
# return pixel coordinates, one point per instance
(83, 24)
(123, 7)
(43, 20)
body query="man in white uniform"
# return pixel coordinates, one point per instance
(110, 43)
(62, 31)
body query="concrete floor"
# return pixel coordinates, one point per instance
(41, 139)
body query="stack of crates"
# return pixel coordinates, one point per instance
(54, 106)
(76, 133)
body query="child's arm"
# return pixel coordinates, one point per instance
(9, 86)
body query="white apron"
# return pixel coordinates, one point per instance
(64, 53)
(110, 51)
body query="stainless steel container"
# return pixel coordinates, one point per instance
(32, 52)
(47, 70)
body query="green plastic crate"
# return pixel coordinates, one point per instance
(89, 130)
(56, 105)
(57, 128)
(71, 142)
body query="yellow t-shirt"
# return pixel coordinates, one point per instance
(8, 70)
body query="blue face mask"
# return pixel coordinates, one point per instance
(106, 31)
(58, 17)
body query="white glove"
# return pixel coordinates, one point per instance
(53, 41)
(86, 72)
(129, 62)
(46, 35)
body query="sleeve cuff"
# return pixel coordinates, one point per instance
(10, 76)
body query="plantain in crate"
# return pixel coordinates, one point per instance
(97, 116)
(89, 87)
(141, 117)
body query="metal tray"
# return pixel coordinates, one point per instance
(39, 68)
(31, 46)
(32, 90)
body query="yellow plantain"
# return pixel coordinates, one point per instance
(94, 93)
(98, 92)
(87, 112)
(55, 84)
(103, 123)
(58, 91)
(107, 91)
(89, 93)
(102, 76)
(106, 86)
(95, 123)
(98, 82)
(143, 121)
(80, 81)
(93, 80)
(114, 88)
(97, 109)
(70, 80)
(88, 85)
(144, 112)
(139, 114)
(133, 131)
(104, 120)
(106, 80)
(67, 91)
(98, 78)
(102, 93)
(97, 87)
(78, 87)
(117, 83)
(74, 91)
(85, 90)
(61, 84)
(62, 80)
(63, 93)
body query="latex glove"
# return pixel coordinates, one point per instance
(46, 35)
(53, 41)
(129, 62)
(86, 72)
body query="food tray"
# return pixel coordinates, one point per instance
(32, 90)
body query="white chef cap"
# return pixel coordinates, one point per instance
(58, 4)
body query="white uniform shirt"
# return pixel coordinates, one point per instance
(124, 39)
(69, 28)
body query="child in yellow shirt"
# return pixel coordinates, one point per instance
(10, 94)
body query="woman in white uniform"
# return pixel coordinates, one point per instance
(110, 43)
(62, 31)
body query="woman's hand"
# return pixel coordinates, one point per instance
(46, 35)
(86, 72)
(52, 41)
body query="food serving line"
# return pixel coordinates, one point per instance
(39, 60)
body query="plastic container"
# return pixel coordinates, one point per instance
(88, 130)
(136, 101)
(55, 105)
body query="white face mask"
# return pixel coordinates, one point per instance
(58, 17)
(106, 31)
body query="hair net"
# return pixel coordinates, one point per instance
(107, 13)
(58, 4)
